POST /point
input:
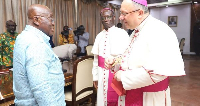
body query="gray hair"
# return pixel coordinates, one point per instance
(142, 7)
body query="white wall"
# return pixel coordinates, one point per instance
(183, 25)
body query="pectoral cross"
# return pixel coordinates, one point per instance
(118, 60)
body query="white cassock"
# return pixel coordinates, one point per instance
(107, 44)
(156, 48)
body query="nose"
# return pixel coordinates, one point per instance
(121, 17)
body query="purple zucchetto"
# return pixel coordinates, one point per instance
(142, 2)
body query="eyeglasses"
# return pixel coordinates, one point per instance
(124, 14)
(48, 17)
(106, 18)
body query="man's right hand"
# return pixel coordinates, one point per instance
(95, 84)
(109, 63)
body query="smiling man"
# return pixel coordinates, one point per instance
(7, 41)
(110, 42)
(38, 79)
(152, 56)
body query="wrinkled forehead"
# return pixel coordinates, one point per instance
(106, 12)
(43, 11)
(46, 13)
(127, 5)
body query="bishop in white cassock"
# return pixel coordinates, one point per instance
(152, 56)
(110, 42)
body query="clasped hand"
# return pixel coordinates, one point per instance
(110, 63)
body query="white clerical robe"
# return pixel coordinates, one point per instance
(156, 48)
(107, 44)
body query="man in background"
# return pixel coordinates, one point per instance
(7, 41)
(110, 42)
(66, 36)
(38, 78)
(81, 38)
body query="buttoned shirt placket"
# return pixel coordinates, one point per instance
(105, 78)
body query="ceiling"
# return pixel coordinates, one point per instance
(157, 3)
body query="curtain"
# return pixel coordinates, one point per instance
(16, 10)
(63, 11)
(89, 16)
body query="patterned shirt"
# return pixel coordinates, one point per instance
(37, 73)
(7, 41)
(63, 40)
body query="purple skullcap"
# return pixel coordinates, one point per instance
(142, 2)
(106, 9)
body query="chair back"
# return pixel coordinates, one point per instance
(181, 45)
(82, 84)
(83, 74)
(89, 49)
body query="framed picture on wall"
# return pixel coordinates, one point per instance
(172, 21)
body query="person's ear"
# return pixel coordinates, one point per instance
(141, 13)
(113, 17)
(36, 20)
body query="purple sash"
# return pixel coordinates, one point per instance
(134, 97)
(112, 97)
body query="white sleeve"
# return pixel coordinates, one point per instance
(139, 77)
(95, 48)
(95, 68)
(164, 56)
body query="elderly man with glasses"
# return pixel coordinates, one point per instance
(110, 42)
(152, 56)
(7, 41)
(38, 78)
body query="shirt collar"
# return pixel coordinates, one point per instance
(41, 35)
(109, 29)
(11, 34)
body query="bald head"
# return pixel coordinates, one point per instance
(41, 17)
(37, 9)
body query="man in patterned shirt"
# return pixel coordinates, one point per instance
(38, 79)
(7, 41)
